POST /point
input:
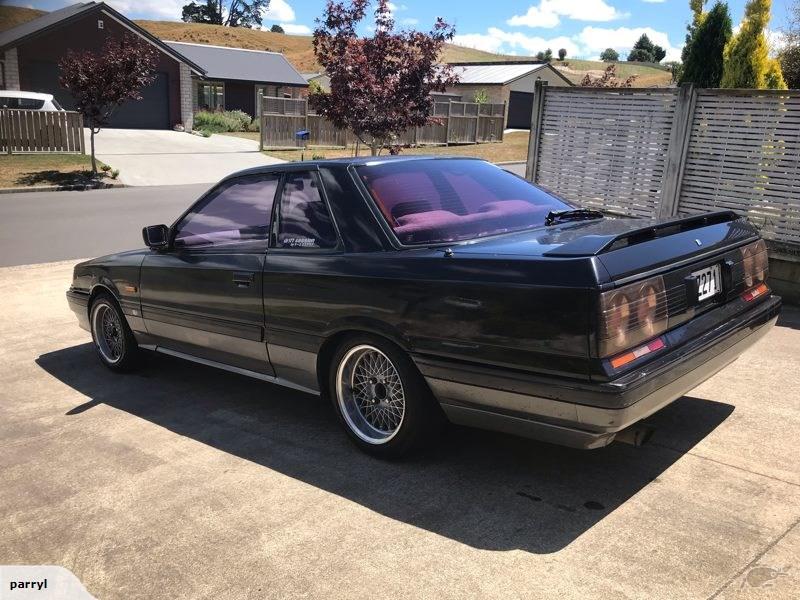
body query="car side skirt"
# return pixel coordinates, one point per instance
(230, 368)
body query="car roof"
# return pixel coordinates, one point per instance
(343, 163)
(18, 94)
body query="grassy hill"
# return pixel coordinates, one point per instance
(297, 48)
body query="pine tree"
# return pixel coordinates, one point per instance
(703, 62)
(746, 57)
(697, 17)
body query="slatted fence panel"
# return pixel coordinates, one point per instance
(40, 131)
(452, 123)
(606, 148)
(744, 154)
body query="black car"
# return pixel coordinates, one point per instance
(411, 290)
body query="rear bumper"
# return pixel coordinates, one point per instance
(587, 415)
(79, 304)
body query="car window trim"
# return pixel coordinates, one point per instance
(313, 170)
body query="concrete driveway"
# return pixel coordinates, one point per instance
(158, 157)
(185, 481)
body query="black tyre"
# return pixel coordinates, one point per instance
(113, 339)
(381, 398)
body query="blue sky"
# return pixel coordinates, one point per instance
(583, 27)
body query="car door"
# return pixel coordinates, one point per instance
(300, 284)
(203, 295)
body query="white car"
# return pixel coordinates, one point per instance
(28, 100)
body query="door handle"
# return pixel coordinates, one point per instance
(243, 279)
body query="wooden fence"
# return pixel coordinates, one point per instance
(39, 131)
(652, 152)
(455, 123)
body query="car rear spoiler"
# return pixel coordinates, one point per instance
(592, 245)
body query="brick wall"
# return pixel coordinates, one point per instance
(186, 96)
(11, 70)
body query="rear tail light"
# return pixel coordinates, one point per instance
(755, 263)
(631, 314)
(756, 292)
(628, 357)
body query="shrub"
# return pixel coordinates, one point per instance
(105, 168)
(114, 173)
(255, 125)
(219, 122)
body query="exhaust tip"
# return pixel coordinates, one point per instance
(637, 434)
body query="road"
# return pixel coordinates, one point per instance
(40, 227)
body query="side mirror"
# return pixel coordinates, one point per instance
(156, 236)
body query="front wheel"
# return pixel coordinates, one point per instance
(381, 399)
(113, 339)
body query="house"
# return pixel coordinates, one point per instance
(235, 78)
(509, 82)
(188, 76)
(323, 80)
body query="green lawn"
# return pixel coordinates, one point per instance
(514, 147)
(25, 170)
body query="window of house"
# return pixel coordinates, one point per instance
(210, 96)
(304, 220)
(238, 211)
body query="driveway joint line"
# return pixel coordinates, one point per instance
(755, 560)
(724, 464)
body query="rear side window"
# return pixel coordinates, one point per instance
(238, 211)
(30, 103)
(304, 220)
(8, 102)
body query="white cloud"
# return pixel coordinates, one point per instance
(295, 29)
(548, 13)
(588, 43)
(596, 39)
(166, 9)
(279, 10)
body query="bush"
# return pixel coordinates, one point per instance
(114, 173)
(219, 122)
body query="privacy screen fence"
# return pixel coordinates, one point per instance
(452, 123)
(662, 152)
(25, 131)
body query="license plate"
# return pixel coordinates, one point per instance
(709, 282)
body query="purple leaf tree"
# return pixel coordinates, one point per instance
(102, 81)
(380, 85)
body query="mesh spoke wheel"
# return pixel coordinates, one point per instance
(108, 333)
(370, 394)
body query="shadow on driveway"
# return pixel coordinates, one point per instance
(486, 490)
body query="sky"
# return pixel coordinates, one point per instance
(583, 27)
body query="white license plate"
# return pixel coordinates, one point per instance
(709, 282)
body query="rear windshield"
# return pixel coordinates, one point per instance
(444, 200)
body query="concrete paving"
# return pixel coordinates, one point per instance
(182, 481)
(159, 157)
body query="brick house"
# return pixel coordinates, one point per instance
(186, 77)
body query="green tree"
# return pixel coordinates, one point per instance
(545, 56)
(789, 58)
(746, 58)
(703, 63)
(562, 53)
(276, 29)
(238, 13)
(643, 50)
(609, 55)
(698, 15)
(659, 54)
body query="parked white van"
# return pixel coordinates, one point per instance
(28, 100)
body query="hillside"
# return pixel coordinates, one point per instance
(11, 16)
(297, 48)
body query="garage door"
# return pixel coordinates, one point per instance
(151, 112)
(520, 105)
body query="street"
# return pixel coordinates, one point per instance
(40, 227)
